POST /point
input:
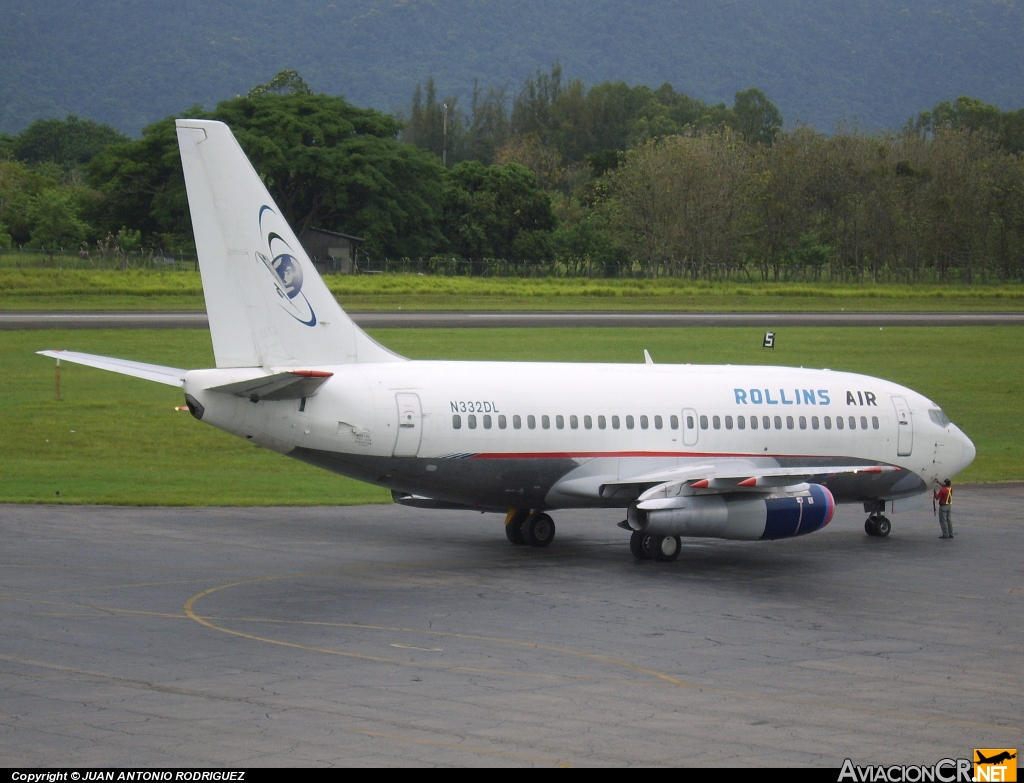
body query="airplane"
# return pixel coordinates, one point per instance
(996, 759)
(731, 452)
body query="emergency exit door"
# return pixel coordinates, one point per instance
(410, 425)
(904, 427)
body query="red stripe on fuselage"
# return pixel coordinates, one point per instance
(594, 454)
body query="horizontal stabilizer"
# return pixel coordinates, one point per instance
(291, 385)
(172, 376)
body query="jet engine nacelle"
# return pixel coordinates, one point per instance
(738, 517)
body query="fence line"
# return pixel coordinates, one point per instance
(155, 259)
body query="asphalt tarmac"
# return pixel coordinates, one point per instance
(426, 320)
(389, 635)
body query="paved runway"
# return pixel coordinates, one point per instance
(421, 320)
(389, 635)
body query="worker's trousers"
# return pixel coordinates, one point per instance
(946, 520)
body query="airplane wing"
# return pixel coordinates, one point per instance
(172, 376)
(734, 476)
(757, 480)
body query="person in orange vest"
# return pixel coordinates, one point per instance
(944, 495)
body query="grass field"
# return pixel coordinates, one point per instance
(119, 440)
(55, 289)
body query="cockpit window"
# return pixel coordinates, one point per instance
(938, 417)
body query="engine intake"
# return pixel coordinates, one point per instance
(739, 518)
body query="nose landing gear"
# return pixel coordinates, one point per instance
(877, 525)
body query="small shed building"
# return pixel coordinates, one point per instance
(332, 251)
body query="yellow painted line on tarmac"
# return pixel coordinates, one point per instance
(381, 659)
(205, 621)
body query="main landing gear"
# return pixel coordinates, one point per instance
(533, 528)
(664, 549)
(877, 525)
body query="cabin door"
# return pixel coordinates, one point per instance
(904, 426)
(410, 425)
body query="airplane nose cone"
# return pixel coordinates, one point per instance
(969, 453)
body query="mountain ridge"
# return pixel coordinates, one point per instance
(129, 63)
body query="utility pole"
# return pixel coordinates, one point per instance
(444, 139)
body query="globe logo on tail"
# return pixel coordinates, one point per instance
(285, 271)
(289, 273)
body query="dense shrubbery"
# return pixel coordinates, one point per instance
(610, 180)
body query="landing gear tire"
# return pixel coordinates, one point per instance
(538, 530)
(639, 546)
(665, 549)
(513, 531)
(878, 526)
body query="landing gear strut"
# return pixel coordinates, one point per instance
(664, 549)
(535, 529)
(877, 525)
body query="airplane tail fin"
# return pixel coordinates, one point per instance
(266, 303)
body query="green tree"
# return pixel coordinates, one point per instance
(758, 120)
(286, 82)
(68, 143)
(326, 163)
(19, 185)
(54, 214)
(496, 212)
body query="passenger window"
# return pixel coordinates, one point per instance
(643, 422)
(531, 422)
(814, 422)
(828, 422)
(766, 422)
(501, 422)
(803, 422)
(863, 422)
(789, 422)
(839, 422)
(456, 422)
(778, 422)
(629, 422)
(674, 422)
(471, 421)
(588, 422)
(703, 422)
(741, 422)
(487, 422)
(601, 422)
(560, 422)
(658, 422)
(545, 422)
(874, 422)
(690, 423)
(517, 422)
(574, 422)
(615, 422)
(716, 422)
(853, 423)
(753, 422)
(728, 422)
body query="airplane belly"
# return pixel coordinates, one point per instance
(485, 483)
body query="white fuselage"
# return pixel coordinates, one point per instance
(502, 434)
